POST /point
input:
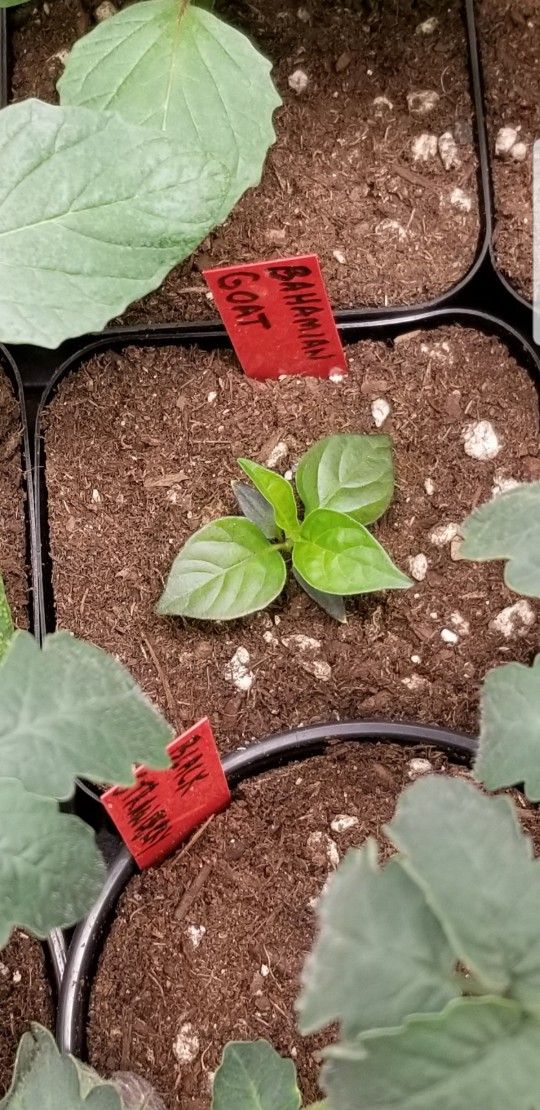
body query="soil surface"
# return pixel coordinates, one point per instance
(25, 996)
(209, 947)
(12, 524)
(140, 452)
(341, 180)
(510, 41)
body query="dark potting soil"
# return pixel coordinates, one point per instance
(12, 526)
(25, 996)
(341, 181)
(140, 452)
(209, 947)
(510, 41)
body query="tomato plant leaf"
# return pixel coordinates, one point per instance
(332, 604)
(45, 1080)
(363, 972)
(337, 555)
(509, 747)
(257, 509)
(508, 528)
(253, 1076)
(352, 474)
(190, 75)
(482, 1053)
(475, 865)
(225, 570)
(70, 709)
(94, 212)
(7, 627)
(277, 491)
(51, 870)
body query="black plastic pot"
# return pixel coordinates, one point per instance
(274, 751)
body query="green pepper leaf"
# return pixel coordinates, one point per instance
(71, 709)
(51, 870)
(332, 604)
(257, 509)
(509, 748)
(7, 627)
(45, 1080)
(181, 70)
(352, 474)
(363, 972)
(277, 491)
(225, 570)
(94, 212)
(508, 528)
(482, 1053)
(338, 555)
(253, 1076)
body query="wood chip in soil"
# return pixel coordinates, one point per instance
(12, 524)
(140, 452)
(228, 967)
(25, 996)
(510, 42)
(341, 181)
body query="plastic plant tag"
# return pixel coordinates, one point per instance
(278, 317)
(163, 807)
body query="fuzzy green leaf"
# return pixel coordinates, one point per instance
(482, 1053)
(11, 3)
(94, 212)
(188, 74)
(225, 570)
(7, 627)
(509, 748)
(508, 528)
(51, 870)
(352, 474)
(257, 509)
(253, 1076)
(45, 1080)
(332, 604)
(338, 555)
(72, 710)
(277, 491)
(364, 971)
(469, 855)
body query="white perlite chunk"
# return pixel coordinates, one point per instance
(502, 484)
(196, 934)
(303, 15)
(420, 103)
(461, 625)
(460, 199)
(448, 636)
(382, 103)
(418, 565)
(506, 137)
(424, 147)
(339, 257)
(519, 152)
(444, 533)
(319, 668)
(301, 643)
(414, 682)
(335, 376)
(428, 26)
(380, 411)
(186, 1046)
(238, 672)
(323, 849)
(343, 822)
(105, 10)
(448, 151)
(480, 440)
(211, 397)
(419, 767)
(298, 81)
(429, 486)
(391, 227)
(514, 620)
(279, 452)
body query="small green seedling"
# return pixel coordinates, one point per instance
(237, 565)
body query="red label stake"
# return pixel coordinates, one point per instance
(161, 809)
(278, 317)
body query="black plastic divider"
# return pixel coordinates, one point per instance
(55, 948)
(4, 71)
(245, 763)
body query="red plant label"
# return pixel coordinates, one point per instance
(163, 807)
(278, 317)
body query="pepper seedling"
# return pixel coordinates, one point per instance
(237, 565)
